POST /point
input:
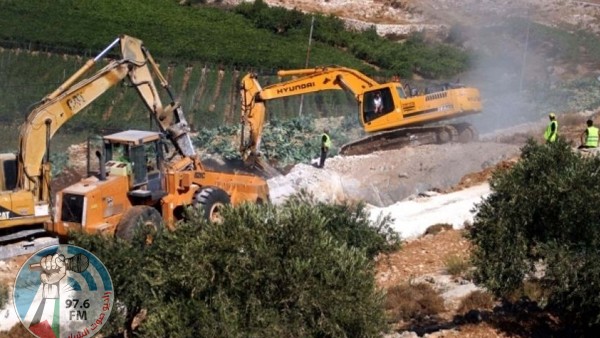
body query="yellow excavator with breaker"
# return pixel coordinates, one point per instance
(394, 117)
(139, 181)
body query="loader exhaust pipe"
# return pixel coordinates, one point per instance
(102, 165)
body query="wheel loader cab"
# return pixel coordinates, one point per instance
(136, 154)
(130, 176)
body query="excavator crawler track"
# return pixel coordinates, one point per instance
(396, 139)
(25, 240)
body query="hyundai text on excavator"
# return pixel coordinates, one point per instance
(402, 119)
(136, 182)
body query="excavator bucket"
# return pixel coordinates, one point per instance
(261, 165)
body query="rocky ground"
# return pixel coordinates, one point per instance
(417, 175)
(383, 178)
(436, 17)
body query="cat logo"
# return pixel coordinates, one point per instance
(76, 102)
(4, 214)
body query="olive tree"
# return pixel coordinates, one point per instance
(541, 223)
(264, 271)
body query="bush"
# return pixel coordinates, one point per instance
(17, 331)
(266, 271)
(437, 228)
(541, 220)
(3, 295)
(457, 266)
(349, 223)
(413, 302)
(476, 300)
(532, 290)
(428, 58)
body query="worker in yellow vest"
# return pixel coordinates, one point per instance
(589, 138)
(325, 146)
(552, 130)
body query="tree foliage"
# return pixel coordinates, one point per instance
(432, 60)
(350, 224)
(265, 271)
(284, 141)
(187, 33)
(3, 295)
(541, 223)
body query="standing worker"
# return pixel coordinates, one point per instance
(589, 138)
(325, 145)
(551, 131)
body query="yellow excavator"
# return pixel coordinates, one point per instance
(390, 113)
(25, 176)
(139, 180)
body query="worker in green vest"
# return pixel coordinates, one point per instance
(325, 146)
(552, 130)
(589, 138)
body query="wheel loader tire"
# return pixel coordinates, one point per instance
(136, 217)
(210, 201)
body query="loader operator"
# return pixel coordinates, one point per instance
(551, 131)
(589, 138)
(120, 153)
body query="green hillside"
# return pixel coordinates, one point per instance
(249, 35)
(206, 34)
(204, 50)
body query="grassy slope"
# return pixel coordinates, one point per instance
(169, 30)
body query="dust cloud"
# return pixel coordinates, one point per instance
(507, 69)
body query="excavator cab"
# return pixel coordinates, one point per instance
(387, 107)
(8, 172)
(380, 102)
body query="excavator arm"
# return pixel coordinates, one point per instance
(171, 118)
(52, 113)
(136, 183)
(70, 99)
